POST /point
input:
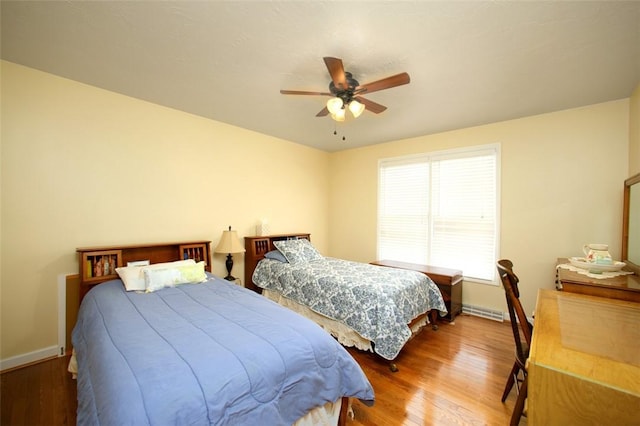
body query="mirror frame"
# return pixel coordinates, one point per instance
(625, 223)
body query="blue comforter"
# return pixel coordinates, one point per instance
(375, 301)
(204, 354)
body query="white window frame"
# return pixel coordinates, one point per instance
(440, 155)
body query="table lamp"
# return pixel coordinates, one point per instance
(229, 243)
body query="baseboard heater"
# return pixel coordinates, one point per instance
(482, 312)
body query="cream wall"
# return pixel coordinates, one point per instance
(634, 132)
(562, 177)
(82, 166)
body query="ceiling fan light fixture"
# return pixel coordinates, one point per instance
(339, 115)
(334, 105)
(344, 89)
(356, 108)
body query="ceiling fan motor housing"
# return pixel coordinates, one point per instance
(347, 93)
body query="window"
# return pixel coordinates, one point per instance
(441, 209)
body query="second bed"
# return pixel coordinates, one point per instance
(370, 307)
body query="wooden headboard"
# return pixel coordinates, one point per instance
(98, 264)
(79, 285)
(256, 247)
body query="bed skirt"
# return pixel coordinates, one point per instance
(344, 334)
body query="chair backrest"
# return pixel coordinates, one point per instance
(522, 328)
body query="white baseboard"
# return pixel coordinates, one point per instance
(18, 360)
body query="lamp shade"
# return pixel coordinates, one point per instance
(338, 116)
(229, 243)
(334, 105)
(356, 108)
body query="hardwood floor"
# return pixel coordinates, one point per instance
(453, 376)
(40, 394)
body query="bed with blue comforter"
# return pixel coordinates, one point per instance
(375, 301)
(210, 353)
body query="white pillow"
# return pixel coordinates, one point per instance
(155, 279)
(133, 276)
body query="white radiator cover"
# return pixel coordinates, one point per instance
(483, 312)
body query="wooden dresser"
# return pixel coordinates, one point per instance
(584, 363)
(622, 287)
(449, 281)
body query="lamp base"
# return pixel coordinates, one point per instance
(229, 264)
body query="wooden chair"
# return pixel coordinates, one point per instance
(522, 331)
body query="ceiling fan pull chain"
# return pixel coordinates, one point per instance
(335, 131)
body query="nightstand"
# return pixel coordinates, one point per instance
(236, 281)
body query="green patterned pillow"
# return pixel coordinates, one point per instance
(155, 279)
(133, 276)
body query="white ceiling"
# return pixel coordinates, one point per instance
(470, 63)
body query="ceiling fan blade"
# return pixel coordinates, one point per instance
(370, 105)
(323, 112)
(386, 83)
(336, 70)
(302, 92)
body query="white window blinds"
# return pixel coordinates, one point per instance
(441, 209)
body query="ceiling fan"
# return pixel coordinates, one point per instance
(345, 91)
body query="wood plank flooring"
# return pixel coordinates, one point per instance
(40, 394)
(453, 376)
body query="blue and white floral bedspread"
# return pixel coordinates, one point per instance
(375, 301)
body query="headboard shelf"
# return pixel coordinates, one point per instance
(97, 264)
(256, 248)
